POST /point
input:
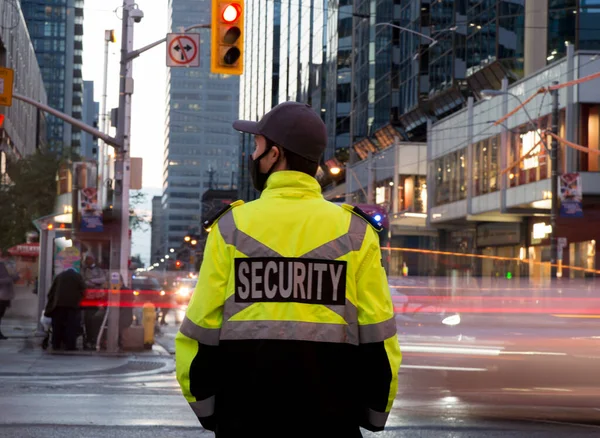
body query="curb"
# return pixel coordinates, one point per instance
(136, 367)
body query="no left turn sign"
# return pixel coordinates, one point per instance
(183, 50)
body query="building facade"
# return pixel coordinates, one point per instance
(157, 248)
(394, 180)
(201, 147)
(56, 30)
(470, 46)
(284, 56)
(24, 128)
(90, 115)
(487, 199)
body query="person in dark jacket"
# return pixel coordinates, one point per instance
(63, 307)
(7, 291)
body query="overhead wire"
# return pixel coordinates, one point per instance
(526, 92)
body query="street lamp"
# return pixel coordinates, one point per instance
(194, 242)
(162, 260)
(433, 40)
(553, 159)
(187, 238)
(171, 250)
(167, 256)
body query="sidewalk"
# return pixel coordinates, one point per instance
(22, 355)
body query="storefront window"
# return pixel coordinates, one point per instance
(462, 179)
(420, 193)
(493, 145)
(442, 187)
(451, 177)
(582, 255)
(485, 166)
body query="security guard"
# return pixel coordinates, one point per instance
(290, 331)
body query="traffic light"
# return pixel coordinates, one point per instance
(177, 264)
(227, 37)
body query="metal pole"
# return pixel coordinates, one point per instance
(396, 190)
(67, 118)
(554, 184)
(351, 152)
(120, 241)
(371, 184)
(102, 152)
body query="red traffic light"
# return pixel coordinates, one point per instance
(231, 13)
(178, 263)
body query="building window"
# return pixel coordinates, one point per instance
(589, 31)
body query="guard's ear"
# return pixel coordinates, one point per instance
(276, 152)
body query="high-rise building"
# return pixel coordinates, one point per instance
(90, 114)
(285, 61)
(201, 147)
(407, 79)
(56, 31)
(157, 248)
(24, 128)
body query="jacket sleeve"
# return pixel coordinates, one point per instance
(380, 355)
(197, 342)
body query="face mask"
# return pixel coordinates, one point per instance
(259, 179)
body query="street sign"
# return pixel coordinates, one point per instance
(115, 280)
(183, 50)
(6, 86)
(561, 243)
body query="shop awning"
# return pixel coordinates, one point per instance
(25, 250)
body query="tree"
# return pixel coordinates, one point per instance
(137, 219)
(27, 194)
(136, 261)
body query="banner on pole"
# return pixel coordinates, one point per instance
(570, 195)
(91, 213)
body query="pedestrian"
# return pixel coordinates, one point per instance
(63, 306)
(93, 315)
(7, 291)
(291, 329)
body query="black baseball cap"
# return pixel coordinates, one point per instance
(292, 125)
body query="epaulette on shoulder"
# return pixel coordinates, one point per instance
(378, 226)
(208, 224)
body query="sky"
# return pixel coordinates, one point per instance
(148, 101)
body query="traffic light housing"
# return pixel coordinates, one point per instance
(227, 37)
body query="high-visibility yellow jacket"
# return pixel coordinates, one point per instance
(291, 327)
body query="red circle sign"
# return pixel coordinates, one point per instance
(183, 50)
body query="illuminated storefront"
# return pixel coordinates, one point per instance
(494, 180)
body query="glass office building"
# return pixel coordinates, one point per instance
(201, 147)
(90, 115)
(284, 56)
(56, 32)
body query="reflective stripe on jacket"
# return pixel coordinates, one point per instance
(291, 319)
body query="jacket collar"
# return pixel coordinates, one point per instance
(289, 183)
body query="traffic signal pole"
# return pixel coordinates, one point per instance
(120, 241)
(120, 245)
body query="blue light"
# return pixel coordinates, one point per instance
(377, 217)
